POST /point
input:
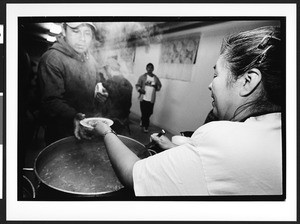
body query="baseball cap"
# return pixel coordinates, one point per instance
(76, 24)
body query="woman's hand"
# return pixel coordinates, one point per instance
(163, 142)
(101, 128)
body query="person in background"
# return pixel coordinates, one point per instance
(118, 103)
(241, 154)
(147, 85)
(67, 76)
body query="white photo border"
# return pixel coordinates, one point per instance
(151, 210)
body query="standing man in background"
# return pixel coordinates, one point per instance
(147, 86)
(67, 76)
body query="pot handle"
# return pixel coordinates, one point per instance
(28, 169)
(31, 170)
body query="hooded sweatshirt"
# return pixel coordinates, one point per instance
(67, 81)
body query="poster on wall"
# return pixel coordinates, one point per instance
(182, 50)
(178, 55)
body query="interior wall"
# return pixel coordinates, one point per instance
(180, 105)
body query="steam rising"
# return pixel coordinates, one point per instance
(118, 40)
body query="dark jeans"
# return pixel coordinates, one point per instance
(147, 111)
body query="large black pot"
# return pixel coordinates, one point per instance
(71, 168)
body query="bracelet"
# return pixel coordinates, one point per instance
(109, 131)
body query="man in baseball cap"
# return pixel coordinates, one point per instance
(67, 76)
(77, 24)
(79, 35)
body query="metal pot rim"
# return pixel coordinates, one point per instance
(73, 192)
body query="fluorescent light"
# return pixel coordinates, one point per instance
(54, 28)
(51, 38)
(48, 37)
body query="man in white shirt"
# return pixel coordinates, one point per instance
(147, 86)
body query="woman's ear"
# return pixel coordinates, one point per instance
(250, 81)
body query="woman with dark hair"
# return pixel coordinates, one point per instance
(241, 154)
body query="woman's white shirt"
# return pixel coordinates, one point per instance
(223, 158)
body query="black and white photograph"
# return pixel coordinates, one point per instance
(143, 114)
(72, 76)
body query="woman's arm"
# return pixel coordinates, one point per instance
(162, 141)
(121, 157)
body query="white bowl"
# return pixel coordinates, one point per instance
(92, 121)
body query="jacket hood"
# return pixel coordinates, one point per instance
(62, 46)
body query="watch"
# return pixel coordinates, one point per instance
(109, 131)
